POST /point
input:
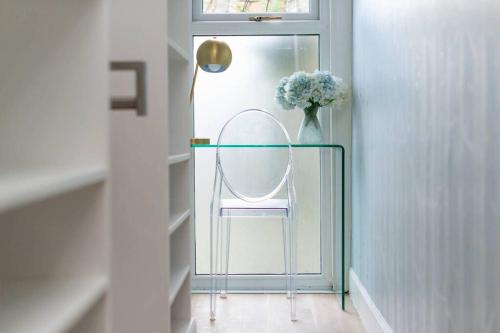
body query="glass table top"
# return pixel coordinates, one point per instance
(294, 145)
(341, 149)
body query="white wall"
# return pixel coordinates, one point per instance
(426, 162)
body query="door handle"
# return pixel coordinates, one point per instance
(138, 102)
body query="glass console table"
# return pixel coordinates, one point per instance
(336, 152)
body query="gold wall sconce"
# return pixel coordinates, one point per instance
(213, 56)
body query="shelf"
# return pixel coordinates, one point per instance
(174, 159)
(49, 306)
(176, 281)
(175, 51)
(177, 220)
(29, 187)
(185, 326)
(179, 187)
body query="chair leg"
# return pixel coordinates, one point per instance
(220, 253)
(284, 226)
(228, 244)
(293, 267)
(220, 244)
(214, 269)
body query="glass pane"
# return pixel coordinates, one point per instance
(255, 6)
(259, 62)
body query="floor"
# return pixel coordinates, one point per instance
(268, 313)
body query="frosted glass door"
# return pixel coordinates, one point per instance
(259, 62)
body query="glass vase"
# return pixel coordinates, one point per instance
(310, 129)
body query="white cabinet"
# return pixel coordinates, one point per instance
(95, 219)
(54, 210)
(140, 172)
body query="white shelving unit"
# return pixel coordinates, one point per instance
(48, 306)
(33, 186)
(180, 69)
(173, 159)
(54, 223)
(177, 281)
(177, 52)
(177, 220)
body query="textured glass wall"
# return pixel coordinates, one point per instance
(258, 64)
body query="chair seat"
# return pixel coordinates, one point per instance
(238, 207)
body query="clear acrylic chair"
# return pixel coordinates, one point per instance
(259, 181)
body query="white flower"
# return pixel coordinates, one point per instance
(280, 95)
(304, 90)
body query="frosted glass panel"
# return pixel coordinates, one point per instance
(255, 6)
(259, 62)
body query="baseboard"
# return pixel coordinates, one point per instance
(372, 319)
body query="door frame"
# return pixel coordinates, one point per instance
(319, 26)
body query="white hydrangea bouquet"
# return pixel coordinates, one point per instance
(310, 91)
